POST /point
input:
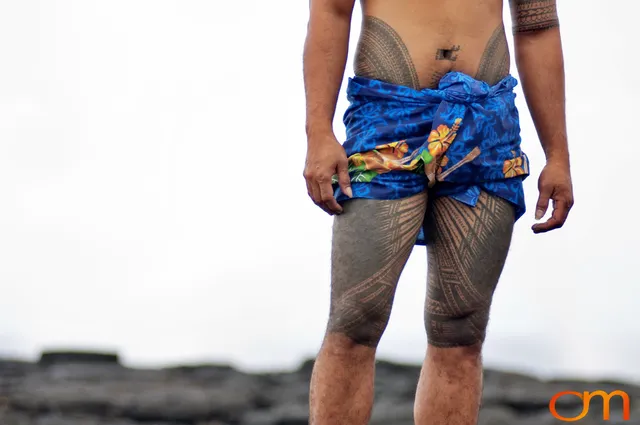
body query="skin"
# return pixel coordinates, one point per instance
(466, 252)
(414, 43)
(540, 62)
(381, 55)
(372, 241)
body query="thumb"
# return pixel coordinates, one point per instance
(343, 178)
(543, 201)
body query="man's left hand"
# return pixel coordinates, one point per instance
(554, 184)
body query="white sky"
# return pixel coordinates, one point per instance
(152, 200)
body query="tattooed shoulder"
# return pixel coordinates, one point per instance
(533, 15)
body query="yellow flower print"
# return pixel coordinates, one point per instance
(443, 163)
(395, 149)
(440, 138)
(513, 167)
(387, 157)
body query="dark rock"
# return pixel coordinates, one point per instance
(288, 414)
(391, 412)
(54, 357)
(306, 367)
(74, 390)
(206, 373)
(496, 415)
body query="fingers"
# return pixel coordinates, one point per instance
(560, 213)
(321, 192)
(343, 178)
(543, 201)
(326, 195)
(314, 193)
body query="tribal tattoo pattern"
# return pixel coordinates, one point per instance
(466, 251)
(533, 15)
(372, 241)
(381, 55)
(461, 139)
(495, 61)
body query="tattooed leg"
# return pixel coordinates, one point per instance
(372, 240)
(467, 248)
(467, 251)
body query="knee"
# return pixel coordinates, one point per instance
(458, 361)
(360, 324)
(467, 330)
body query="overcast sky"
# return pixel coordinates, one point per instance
(152, 200)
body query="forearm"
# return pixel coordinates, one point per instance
(325, 57)
(540, 63)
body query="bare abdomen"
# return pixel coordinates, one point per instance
(414, 51)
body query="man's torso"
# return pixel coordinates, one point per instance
(415, 42)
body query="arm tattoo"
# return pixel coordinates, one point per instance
(533, 15)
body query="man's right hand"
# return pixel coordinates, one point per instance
(325, 158)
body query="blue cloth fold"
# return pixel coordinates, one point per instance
(459, 139)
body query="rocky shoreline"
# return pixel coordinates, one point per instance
(67, 388)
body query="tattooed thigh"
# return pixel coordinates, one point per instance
(466, 251)
(372, 240)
